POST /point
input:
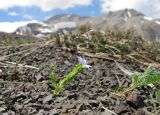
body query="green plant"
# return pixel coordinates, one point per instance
(150, 77)
(16, 41)
(85, 28)
(158, 95)
(58, 87)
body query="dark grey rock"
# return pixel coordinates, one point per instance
(72, 95)
(19, 97)
(93, 103)
(41, 112)
(83, 106)
(35, 105)
(135, 100)
(6, 92)
(121, 109)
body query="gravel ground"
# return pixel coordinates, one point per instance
(27, 91)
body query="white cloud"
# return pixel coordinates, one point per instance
(13, 14)
(45, 5)
(12, 26)
(27, 16)
(147, 7)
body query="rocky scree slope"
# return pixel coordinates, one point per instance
(26, 90)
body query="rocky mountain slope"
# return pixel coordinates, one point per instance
(25, 83)
(13, 36)
(125, 19)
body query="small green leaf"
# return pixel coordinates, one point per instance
(71, 75)
(53, 79)
(158, 95)
(150, 76)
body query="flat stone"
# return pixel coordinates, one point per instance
(54, 112)
(72, 95)
(41, 112)
(1, 102)
(121, 109)
(67, 63)
(71, 106)
(34, 111)
(135, 100)
(27, 101)
(39, 77)
(48, 98)
(82, 107)
(5, 114)
(11, 112)
(60, 99)
(93, 103)
(19, 97)
(87, 112)
(2, 109)
(6, 92)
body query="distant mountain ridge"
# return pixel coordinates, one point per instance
(121, 20)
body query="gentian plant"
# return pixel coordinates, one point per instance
(58, 87)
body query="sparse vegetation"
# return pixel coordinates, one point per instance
(113, 43)
(15, 41)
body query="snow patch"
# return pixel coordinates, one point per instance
(148, 18)
(24, 30)
(129, 14)
(66, 25)
(57, 26)
(158, 22)
(45, 30)
(42, 35)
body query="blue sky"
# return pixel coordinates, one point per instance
(24, 11)
(18, 13)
